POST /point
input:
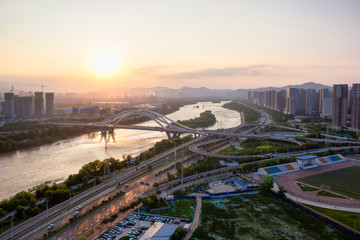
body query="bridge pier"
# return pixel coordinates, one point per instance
(106, 133)
(172, 136)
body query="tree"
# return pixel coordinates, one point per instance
(281, 192)
(266, 185)
(19, 212)
(178, 168)
(179, 233)
(85, 181)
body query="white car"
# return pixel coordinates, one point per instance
(51, 226)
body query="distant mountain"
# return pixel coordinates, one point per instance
(308, 85)
(203, 92)
(165, 92)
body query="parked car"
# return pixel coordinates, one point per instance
(51, 226)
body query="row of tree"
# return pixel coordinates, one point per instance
(37, 135)
(251, 115)
(206, 119)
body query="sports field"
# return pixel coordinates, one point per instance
(344, 181)
(261, 218)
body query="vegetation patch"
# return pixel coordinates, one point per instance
(345, 181)
(183, 208)
(251, 115)
(329, 194)
(206, 119)
(348, 218)
(33, 134)
(306, 188)
(260, 217)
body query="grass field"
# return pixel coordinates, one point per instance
(184, 208)
(344, 181)
(259, 217)
(328, 194)
(348, 218)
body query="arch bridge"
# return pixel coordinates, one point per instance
(170, 127)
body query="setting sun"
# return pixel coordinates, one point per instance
(105, 63)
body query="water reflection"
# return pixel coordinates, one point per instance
(24, 169)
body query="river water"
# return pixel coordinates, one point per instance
(25, 169)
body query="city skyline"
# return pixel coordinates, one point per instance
(234, 45)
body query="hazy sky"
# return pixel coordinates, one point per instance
(216, 44)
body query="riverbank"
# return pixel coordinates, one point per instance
(23, 169)
(251, 115)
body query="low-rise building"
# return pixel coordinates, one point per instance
(159, 231)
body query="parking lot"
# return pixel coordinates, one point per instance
(135, 225)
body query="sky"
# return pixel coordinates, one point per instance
(216, 44)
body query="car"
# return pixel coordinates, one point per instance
(126, 185)
(78, 208)
(75, 213)
(119, 232)
(177, 221)
(51, 226)
(117, 178)
(131, 223)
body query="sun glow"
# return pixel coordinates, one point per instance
(106, 63)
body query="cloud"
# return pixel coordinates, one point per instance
(151, 70)
(222, 72)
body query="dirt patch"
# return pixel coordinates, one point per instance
(219, 187)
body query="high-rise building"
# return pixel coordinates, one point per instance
(326, 110)
(301, 101)
(9, 105)
(291, 96)
(24, 107)
(355, 107)
(272, 99)
(279, 101)
(39, 104)
(250, 97)
(323, 93)
(49, 97)
(340, 97)
(258, 98)
(312, 106)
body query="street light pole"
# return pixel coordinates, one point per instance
(182, 169)
(12, 226)
(47, 209)
(144, 184)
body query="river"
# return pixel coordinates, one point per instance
(25, 169)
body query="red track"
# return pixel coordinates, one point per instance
(288, 182)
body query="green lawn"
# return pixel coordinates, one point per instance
(259, 217)
(184, 208)
(347, 218)
(306, 188)
(328, 194)
(345, 181)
